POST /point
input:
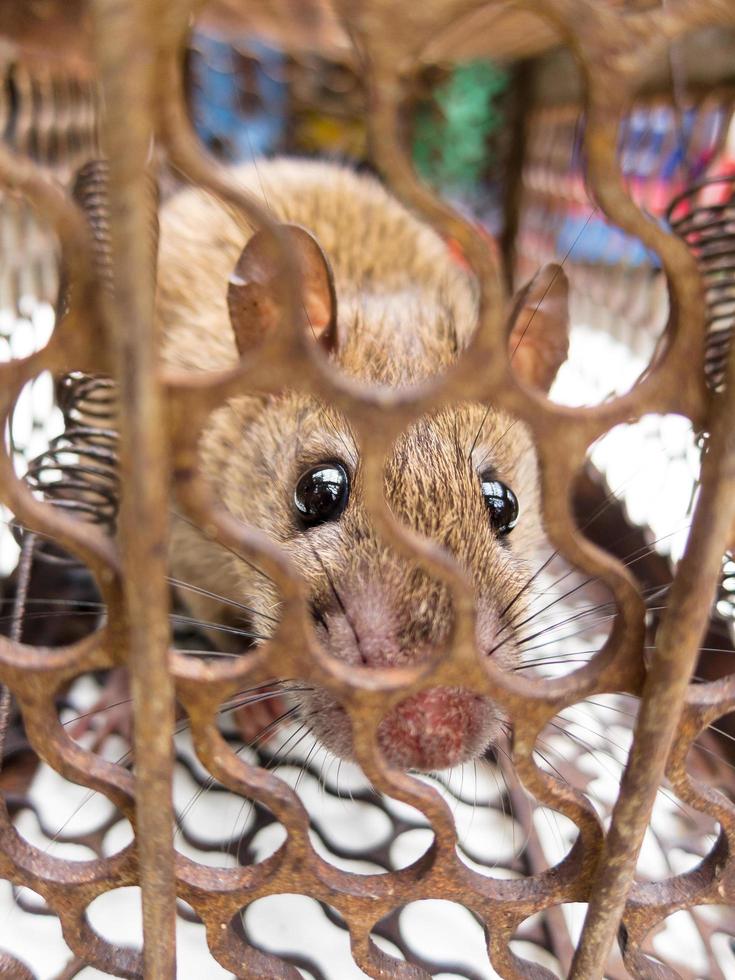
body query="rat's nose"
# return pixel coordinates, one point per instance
(437, 728)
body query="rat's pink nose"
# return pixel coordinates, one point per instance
(436, 729)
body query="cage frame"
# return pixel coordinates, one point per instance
(138, 48)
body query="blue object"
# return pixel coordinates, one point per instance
(592, 240)
(234, 123)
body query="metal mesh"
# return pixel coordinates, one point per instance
(160, 427)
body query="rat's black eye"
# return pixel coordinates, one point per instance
(502, 503)
(321, 493)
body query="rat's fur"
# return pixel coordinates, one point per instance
(405, 310)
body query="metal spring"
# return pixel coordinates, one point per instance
(709, 231)
(90, 192)
(79, 470)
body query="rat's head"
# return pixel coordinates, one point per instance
(465, 477)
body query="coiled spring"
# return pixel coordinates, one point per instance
(79, 470)
(704, 216)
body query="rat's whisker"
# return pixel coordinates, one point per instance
(305, 764)
(337, 429)
(220, 598)
(588, 611)
(631, 559)
(187, 520)
(575, 617)
(95, 711)
(13, 522)
(246, 702)
(477, 436)
(322, 775)
(632, 714)
(600, 754)
(207, 654)
(339, 769)
(727, 653)
(218, 627)
(50, 614)
(337, 596)
(175, 617)
(77, 809)
(544, 629)
(609, 501)
(575, 658)
(503, 751)
(596, 607)
(279, 760)
(51, 601)
(211, 780)
(227, 706)
(593, 622)
(515, 624)
(650, 594)
(568, 636)
(84, 607)
(528, 582)
(551, 766)
(236, 842)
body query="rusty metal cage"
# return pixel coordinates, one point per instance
(138, 49)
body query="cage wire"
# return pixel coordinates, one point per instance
(249, 98)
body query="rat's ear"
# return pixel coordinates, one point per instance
(538, 336)
(253, 297)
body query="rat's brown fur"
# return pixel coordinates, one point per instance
(405, 310)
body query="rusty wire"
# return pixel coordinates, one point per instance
(163, 418)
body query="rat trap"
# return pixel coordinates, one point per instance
(173, 619)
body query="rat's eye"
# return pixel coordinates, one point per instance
(321, 493)
(502, 503)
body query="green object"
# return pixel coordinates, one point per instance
(452, 133)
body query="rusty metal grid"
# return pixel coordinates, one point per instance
(499, 834)
(164, 416)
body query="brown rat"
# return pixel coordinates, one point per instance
(386, 299)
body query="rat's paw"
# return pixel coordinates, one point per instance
(111, 714)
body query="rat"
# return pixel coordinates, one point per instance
(389, 305)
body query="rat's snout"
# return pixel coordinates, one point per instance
(379, 625)
(372, 624)
(438, 728)
(361, 626)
